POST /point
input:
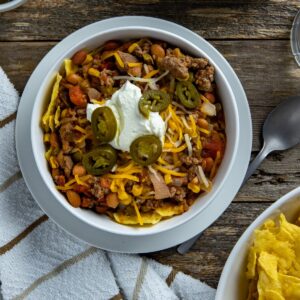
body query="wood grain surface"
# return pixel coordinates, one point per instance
(254, 38)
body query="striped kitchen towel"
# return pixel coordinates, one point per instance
(38, 260)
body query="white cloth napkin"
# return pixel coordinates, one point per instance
(38, 260)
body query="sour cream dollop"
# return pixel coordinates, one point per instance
(131, 123)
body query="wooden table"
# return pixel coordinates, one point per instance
(252, 35)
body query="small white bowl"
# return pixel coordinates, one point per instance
(233, 283)
(99, 230)
(231, 119)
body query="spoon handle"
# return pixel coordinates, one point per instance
(265, 150)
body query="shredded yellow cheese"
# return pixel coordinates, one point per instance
(48, 153)
(162, 161)
(80, 129)
(168, 171)
(52, 104)
(94, 72)
(134, 64)
(137, 190)
(193, 126)
(46, 137)
(123, 176)
(119, 60)
(204, 130)
(195, 188)
(88, 59)
(132, 47)
(176, 150)
(100, 102)
(168, 178)
(198, 143)
(79, 181)
(56, 117)
(139, 217)
(151, 74)
(53, 162)
(83, 178)
(107, 55)
(70, 68)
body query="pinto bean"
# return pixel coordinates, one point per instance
(112, 200)
(74, 78)
(210, 96)
(79, 57)
(79, 170)
(157, 51)
(202, 123)
(73, 198)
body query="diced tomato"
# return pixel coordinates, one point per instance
(77, 96)
(212, 146)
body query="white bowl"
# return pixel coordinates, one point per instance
(99, 230)
(233, 283)
(11, 5)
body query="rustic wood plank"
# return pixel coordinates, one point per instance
(206, 259)
(213, 19)
(268, 74)
(266, 69)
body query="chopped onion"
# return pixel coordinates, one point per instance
(148, 80)
(161, 76)
(170, 131)
(209, 109)
(168, 118)
(153, 86)
(146, 68)
(181, 107)
(154, 172)
(201, 176)
(177, 144)
(114, 168)
(185, 122)
(188, 143)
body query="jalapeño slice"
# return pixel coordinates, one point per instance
(104, 124)
(187, 94)
(145, 150)
(100, 161)
(155, 101)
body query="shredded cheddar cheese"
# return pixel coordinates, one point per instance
(70, 68)
(179, 149)
(88, 59)
(134, 64)
(139, 217)
(94, 72)
(119, 60)
(132, 47)
(151, 74)
(79, 181)
(137, 190)
(123, 176)
(168, 178)
(171, 172)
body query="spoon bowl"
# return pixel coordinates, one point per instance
(281, 129)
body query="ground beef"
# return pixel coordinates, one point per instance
(178, 193)
(190, 160)
(204, 79)
(66, 163)
(195, 63)
(66, 136)
(96, 190)
(179, 181)
(175, 66)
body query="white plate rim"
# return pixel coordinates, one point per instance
(111, 241)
